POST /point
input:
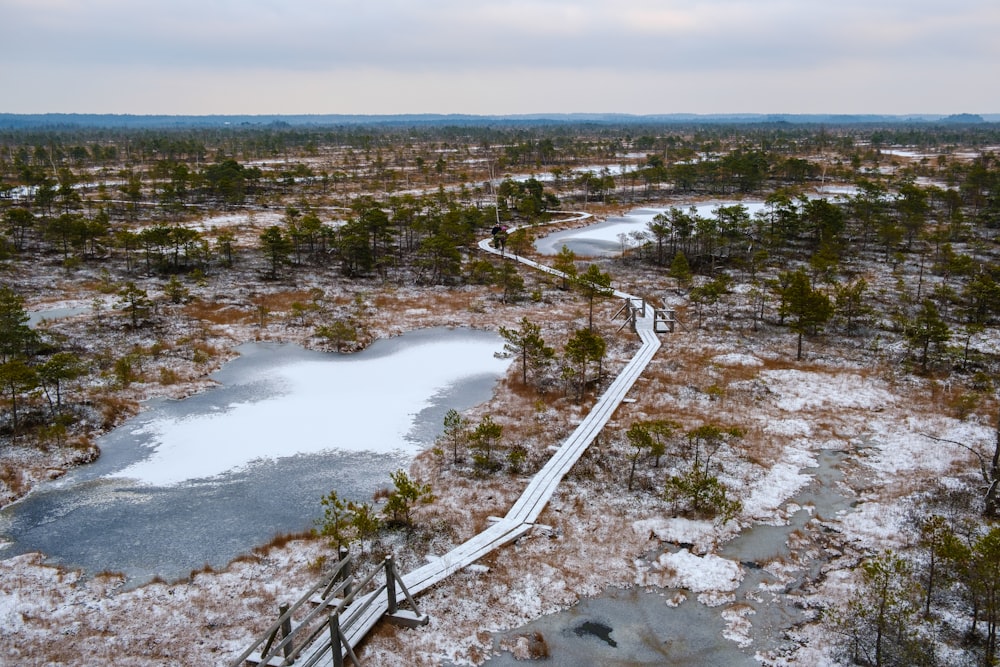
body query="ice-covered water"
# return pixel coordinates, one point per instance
(201, 480)
(606, 238)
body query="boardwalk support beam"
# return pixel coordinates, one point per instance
(339, 644)
(395, 615)
(634, 308)
(286, 632)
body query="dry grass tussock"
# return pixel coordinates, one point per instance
(218, 313)
(115, 409)
(440, 300)
(281, 540)
(526, 646)
(760, 448)
(281, 301)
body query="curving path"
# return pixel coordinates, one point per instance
(529, 506)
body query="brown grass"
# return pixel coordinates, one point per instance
(760, 448)
(203, 352)
(10, 476)
(115, 410)
(205, 569)
(169, 376)
(282, 301)
(215, 313)
(283, 539)
(246, 558)
(109, 574)
(318, 564)
(440, 302)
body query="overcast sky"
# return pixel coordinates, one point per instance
(493, 57)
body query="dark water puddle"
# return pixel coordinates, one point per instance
(599, 630)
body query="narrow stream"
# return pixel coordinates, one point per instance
(638, 627)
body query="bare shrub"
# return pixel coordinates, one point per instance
(203, 352)
(169, 376)
(115, 410)
(527, 646)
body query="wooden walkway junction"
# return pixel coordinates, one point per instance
(339, 621)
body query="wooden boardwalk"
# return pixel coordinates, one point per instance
(358, 619)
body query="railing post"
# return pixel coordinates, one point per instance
(335, 645)
(390, 585)
(286, 630)
(345, 572)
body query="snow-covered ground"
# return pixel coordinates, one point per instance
(842, 398)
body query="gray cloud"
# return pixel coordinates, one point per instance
(437, 39)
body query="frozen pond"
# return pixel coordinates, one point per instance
(604, 238)
(37, 317)
(201, 480)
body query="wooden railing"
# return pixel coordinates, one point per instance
(326, 625)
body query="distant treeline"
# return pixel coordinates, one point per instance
(67, 120)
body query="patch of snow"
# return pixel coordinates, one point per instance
(235, 220)
(902, 447)
(806, 390)
(700, 574)
(793, 426)
(737, 359)
(780, 483)
(871, 524)
(678, 530)
(738, 626)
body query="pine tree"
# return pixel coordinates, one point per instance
(527, 344)
(809, 308)
(680, 270)
(926, 329)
